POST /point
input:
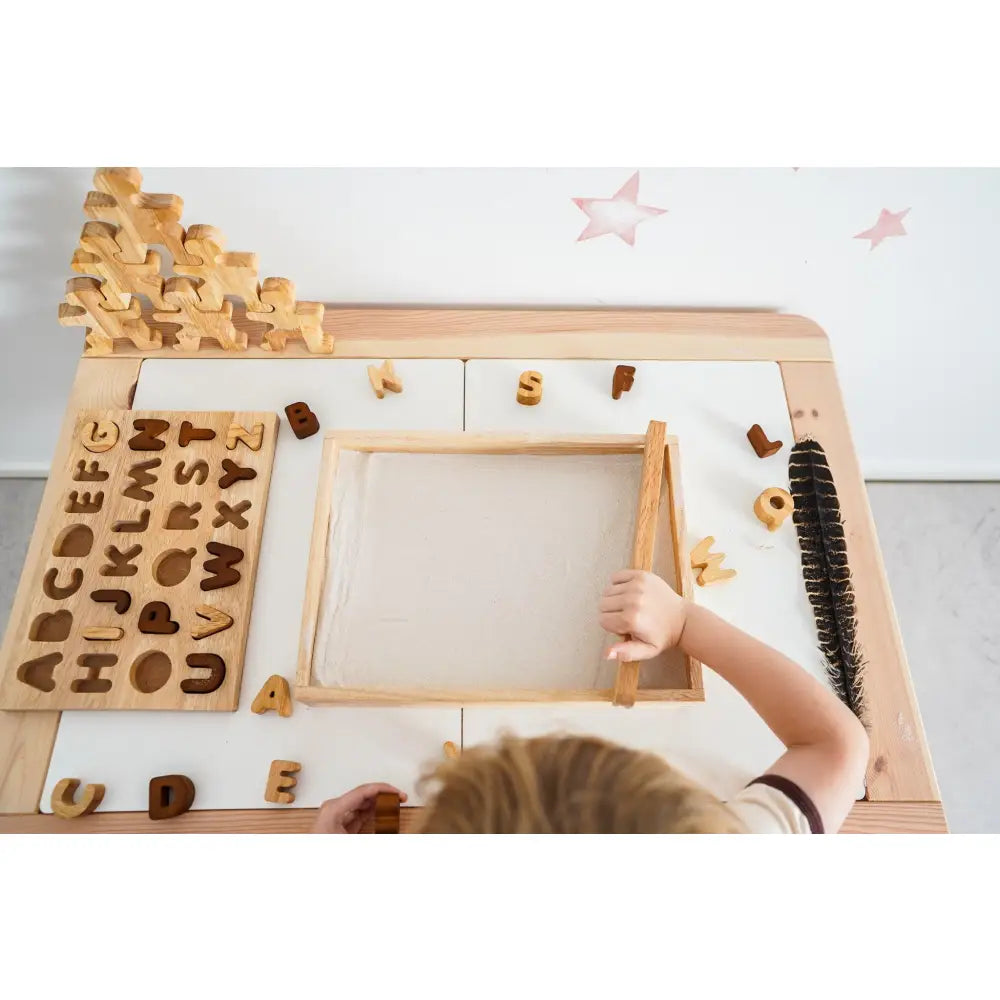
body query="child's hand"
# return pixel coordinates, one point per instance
(350, 812)
(645, 608)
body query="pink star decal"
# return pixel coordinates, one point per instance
(618, 214)
(889, 224)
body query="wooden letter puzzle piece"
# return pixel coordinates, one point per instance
(221, 567)
(103, 633)
(450, 750)
(99, 436)
(234, 473)
(148, 434)
(194, 322)
(189, 433)
(280, 782)
(252, 438)
(170, 795)
(99, 254)
(761, 444)
(121, 599)
(218, 621)
(529, 388)
(87, 305)
(220, 274)
(216, 668)
(622, 380)
(303, 422)
(274, 696)
(387, 812)
(384, 378)
(289, 319)
(773, 506)
(141, 218)
(154, 619)
(709, 563)
(62, 799)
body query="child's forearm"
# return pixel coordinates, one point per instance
(797, 708)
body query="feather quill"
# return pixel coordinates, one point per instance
(825, 570)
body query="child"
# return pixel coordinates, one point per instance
(586, 785)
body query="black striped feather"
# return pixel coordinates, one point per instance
(825, 570)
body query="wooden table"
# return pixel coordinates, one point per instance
(902, 793)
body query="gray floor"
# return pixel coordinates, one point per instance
(941, 543)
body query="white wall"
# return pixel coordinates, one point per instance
(914, 323)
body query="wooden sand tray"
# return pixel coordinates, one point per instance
(142, 598)
(214, 305)
(658, 508)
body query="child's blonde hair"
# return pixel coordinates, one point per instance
(569, 784)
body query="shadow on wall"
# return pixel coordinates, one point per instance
(41, 214)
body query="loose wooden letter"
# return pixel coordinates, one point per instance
(622, 380)
(274, 696)
(62, 798)
(170, 795)
(302, 420)
(280, 782)
(383, 378)
(529, 388)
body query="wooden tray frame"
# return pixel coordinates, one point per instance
(670, 517)
(902, 792)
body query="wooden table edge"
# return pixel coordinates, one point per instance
(465, 334)
(865, 817)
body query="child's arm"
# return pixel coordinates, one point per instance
(827, 747)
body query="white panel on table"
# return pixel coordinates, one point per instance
(227, 755)
(709, 406)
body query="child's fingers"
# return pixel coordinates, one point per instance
(613, 622)
(355, 799)
(625, 575)
(620, 590)
(356, 823)
(614, 603)
(631, 650)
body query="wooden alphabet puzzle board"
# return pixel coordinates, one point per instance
(142, 598)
